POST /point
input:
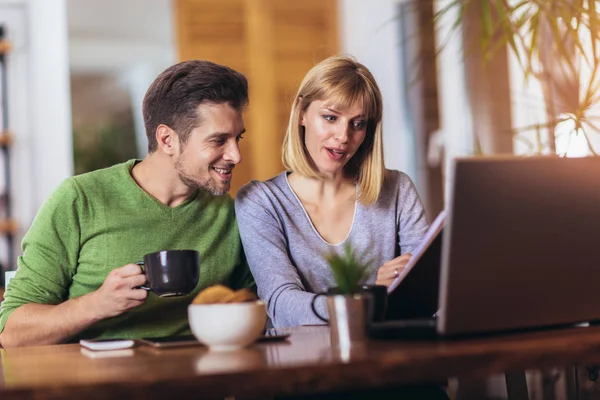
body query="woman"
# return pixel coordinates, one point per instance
(336, 190)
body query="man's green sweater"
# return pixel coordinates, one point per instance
(99, 221)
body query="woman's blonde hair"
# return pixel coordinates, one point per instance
(343, 81)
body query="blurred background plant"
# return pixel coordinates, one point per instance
(556, 43)
(104, 131)
(98, 147)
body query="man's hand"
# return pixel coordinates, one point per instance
(391, 269)
(118, 293)
(42, 324)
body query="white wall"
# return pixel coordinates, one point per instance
(370, 31)
(132, 39)
(456, 125)
(39, 102)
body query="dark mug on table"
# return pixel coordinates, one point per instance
(171, 272)
(376, 301)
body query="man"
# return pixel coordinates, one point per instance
(77, 277)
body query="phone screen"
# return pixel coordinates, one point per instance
(171, 341)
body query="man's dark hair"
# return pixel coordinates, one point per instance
(176, 93)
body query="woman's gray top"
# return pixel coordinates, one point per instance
(286, 253)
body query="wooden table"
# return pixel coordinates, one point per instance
(303, 365)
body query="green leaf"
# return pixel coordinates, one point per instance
(532, 48)
(348, 269)
(510, 32)
(440, 13)
(462, 6)
(570, 32)
(565, 56)
(593, 27)
(486, 24)
(587, 140)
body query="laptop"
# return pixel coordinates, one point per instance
(519, 249)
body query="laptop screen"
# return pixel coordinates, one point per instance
(521, 244)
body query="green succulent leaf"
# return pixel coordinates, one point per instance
(348, 269)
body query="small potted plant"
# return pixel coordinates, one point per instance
(348, 270)
(351, 304)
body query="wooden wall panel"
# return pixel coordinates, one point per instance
(434, 180)
(274, 43)
(488, 88)
(213, 29)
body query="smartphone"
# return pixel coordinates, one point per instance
(104, 345)
(171, 341)
(107, 353)
(274, 335)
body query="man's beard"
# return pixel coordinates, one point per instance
(205, 185)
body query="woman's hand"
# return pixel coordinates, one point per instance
(391, 269)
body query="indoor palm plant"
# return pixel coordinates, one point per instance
(555, 43)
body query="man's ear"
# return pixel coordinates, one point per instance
(167, 139)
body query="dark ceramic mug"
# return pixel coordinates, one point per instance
(377, 300)
(171, 272)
